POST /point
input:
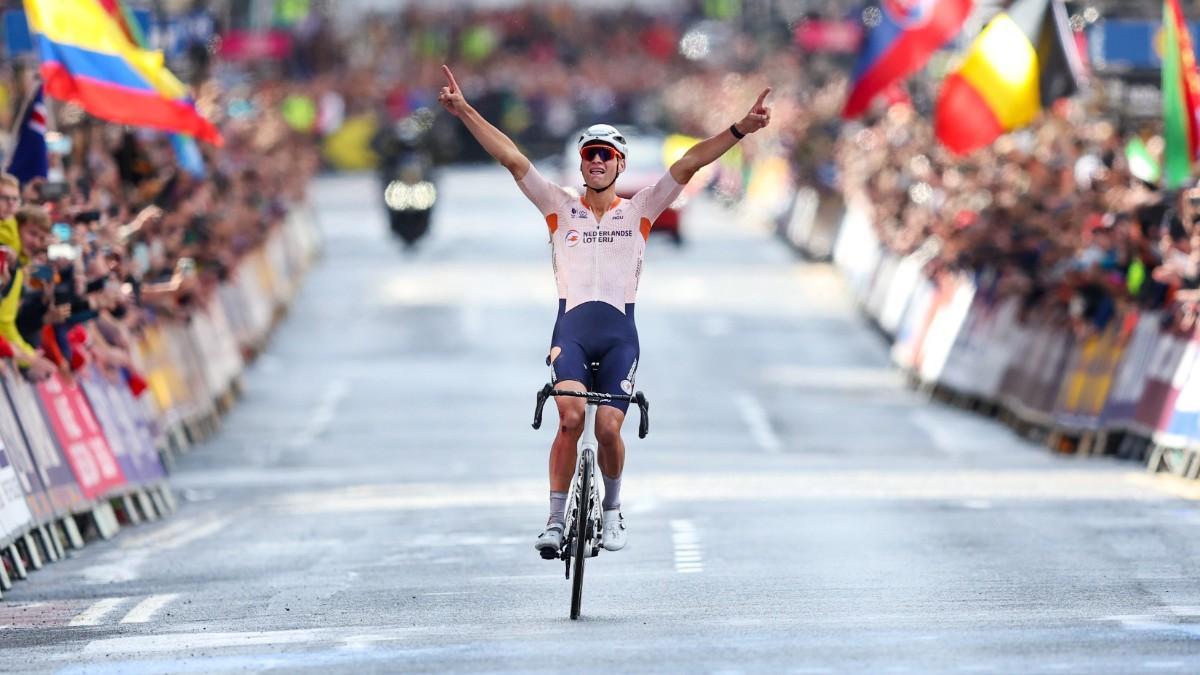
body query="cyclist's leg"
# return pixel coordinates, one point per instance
(612, 462)
(612, 453)
(618, 368)
(568, 370)
(563, 449)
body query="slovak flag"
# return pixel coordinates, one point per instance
(899, 37)
(29, 158)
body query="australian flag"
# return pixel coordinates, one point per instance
(29, 158)
(899, 37)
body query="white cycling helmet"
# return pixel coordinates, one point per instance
(603, 133)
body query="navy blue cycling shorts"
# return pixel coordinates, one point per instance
(596, 332)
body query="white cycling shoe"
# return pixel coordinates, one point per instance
(613, 536)
(550, 541)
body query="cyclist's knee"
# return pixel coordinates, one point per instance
(570, 420)
(608, 426)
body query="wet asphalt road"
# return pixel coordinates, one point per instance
(370, 506)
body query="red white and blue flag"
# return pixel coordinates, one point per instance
(899, 37)
(29, 158)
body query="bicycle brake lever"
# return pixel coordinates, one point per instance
(644, 420)
(541, 402)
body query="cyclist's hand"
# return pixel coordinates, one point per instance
(451, 96)
(758, 117)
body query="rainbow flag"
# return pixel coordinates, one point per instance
(87, 58)
(1181, 98)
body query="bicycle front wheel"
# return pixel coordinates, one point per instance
(581, 527)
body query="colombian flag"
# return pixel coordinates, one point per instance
(1023, 61)
(900, 37)
(88, 59)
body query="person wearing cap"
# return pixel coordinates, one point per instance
(598, 242)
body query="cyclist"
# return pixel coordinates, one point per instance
(597, 245)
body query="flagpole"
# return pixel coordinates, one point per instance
(13, 139)
(1059, 12)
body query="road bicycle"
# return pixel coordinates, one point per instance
(584, 516)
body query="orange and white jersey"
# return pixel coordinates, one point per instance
(598, 260)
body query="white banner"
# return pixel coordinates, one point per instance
(15, 517)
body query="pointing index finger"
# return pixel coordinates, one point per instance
(762, 97)
(450, 78)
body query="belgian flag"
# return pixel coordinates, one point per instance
(1022, 62)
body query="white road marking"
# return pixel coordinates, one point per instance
(931, 484)
(755, 417)
(124, 563)
(93, 615)
(144, 610)
(686, 541)
(178, 642)
(323, 414)
(833, 379)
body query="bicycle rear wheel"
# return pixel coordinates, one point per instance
(582, 527)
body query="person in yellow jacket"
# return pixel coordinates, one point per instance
(25, 230)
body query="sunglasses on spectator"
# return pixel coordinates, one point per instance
(604, 152)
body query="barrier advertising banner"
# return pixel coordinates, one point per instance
(138, 459)
(911, 331)
(80, 436)
(1180, 425)
(29, 479)
(1159, 392)
(1120, 411)
(144, 432)
(14, 511)
(1088, 380)
(57, 476)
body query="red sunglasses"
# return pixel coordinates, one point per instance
(604, 152)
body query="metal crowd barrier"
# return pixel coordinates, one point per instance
(79, 459)
(1131, 389)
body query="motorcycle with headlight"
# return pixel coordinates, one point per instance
(408, 177)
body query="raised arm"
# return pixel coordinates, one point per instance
(492, 139)
(707, 151)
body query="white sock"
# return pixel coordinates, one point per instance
(558, 508)
(612, 492)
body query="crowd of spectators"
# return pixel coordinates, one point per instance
(541, 71)
(1054, 214)
(121, 233)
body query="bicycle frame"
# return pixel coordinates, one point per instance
(585, 460)
(583, 531)
(588, 438)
